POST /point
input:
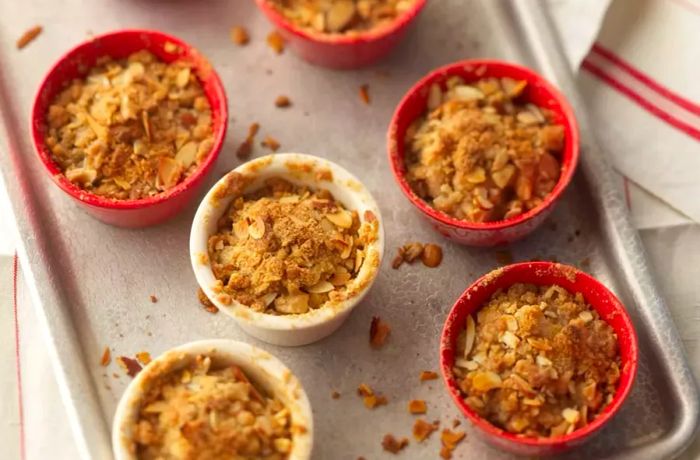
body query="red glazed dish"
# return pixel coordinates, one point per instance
(540, 93)
(604, 302)
(75, 64)
(340, 51)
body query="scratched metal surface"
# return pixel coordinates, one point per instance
(91, 283)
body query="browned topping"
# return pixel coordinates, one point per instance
(393, 445)
(287, 249)
(378, 332)
(422, 429)
(144, 357)
(480, 153)
(341, 16)
(203, 412)
(270, 143)
(130, 366)
(432, 255)
(106, 357)
(546, 352)
(239, 35)
(335, 395)
(153, 298)
(428, 375)
(364, 93)
(28, 36)
(449, 440)
(369, 398)
(133, 128)
(276, 42)
(206, 303)
(282, 102)
(417, 406)
(246, 147)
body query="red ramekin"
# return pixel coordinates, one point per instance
(76, 63)
(538, 92)
(342, 51)
(597, 296)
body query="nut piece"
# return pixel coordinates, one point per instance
(246, 147)
(417, 406)
(276, 42)
(486, 380)
(256, 229)
(282, 101)
(28, 37)
(206, 303)
(144, 357)
(364, 94)
(271, 143)
(470, 336)
(449, 440)
(339, 15)
(432, 255)
(393, 445)
(106, 357)
(378, 332)
(428, 375)
(153, 298)
(422, 430)
(239, 35)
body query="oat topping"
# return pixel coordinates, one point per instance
(428, 375)
(132, 128)
(393, 445)
(201, 412)
(287, 249)
(379, 330)
(275, 42)
(538, 361)
(480, 153)
(239, 35)
(422, 430)
(341, 16)
(106, 357)
(206, 303)
(28, 36)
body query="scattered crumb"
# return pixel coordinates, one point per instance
(130, 366)
(585, 263)
(276, 42)
(417, 406)
(115, 375)
(106, 357)
(449, 440)
(28, 37)
(393, 445)
(282, 101)
(422, 429)
(369, 398)
(239, 35)
(428, 375)
(504, 257)
(379, 330)
(153, 298)
(335, 395)
(456, 423)
(364, 93)
(271, 143)
(246, 147)
(206, 303)
(144, 357)
(430, 254)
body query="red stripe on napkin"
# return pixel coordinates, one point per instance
(641, 100)
(18, 366)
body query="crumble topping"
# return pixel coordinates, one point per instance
(538, 361)
(286, 249)
(132, 128)
(201, 412)
(480, 153)
(341, 16)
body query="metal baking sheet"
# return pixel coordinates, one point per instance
(91, 283)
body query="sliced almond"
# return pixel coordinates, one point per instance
(342, 219)
(169, 172)
(100, 131)
(256, 229)
(571, 415)
(339, 15)
(510, 339)
(359, 258)
(470, 334)
(348, 249)
(586, 316)
(269, 298)
(321, 287)
(146, 124)
(434, 97)
(240, 229)
(292, 304)
(187, 154)
(486, 381)
(183, 77)
(476, 176)
(503, 177)
(542, 361)
(83, 176)
(467, 93)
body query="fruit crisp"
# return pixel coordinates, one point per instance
(288, 249)
(201, 412)
(538, 361)
(481, 154)
(341, 16)
(132, 128)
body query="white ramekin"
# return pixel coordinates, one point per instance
(262, 368)
(300, 169)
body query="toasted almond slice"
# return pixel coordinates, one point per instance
(342, 218)
(470, 336)
(339, 15)
(100, 131)
(289, 199)
(269, 298)
(321, 287)
(486, 380)
(434, 97)
(476, 176)
(467, 93)
(340, 279)
(586, 316)
(187, 154)
(542, 361)
(256, 230)
(503, 176)
(183, 77)
(571, 415)
(240, 229)
(83, 176)
(348, 249)
(509, 339)
(169, 172)
(359, 258)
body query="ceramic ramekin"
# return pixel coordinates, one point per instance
(342, 51)
(120, 44)
(596, 295)
(538, 92)
(260, 367)
(300, 169)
